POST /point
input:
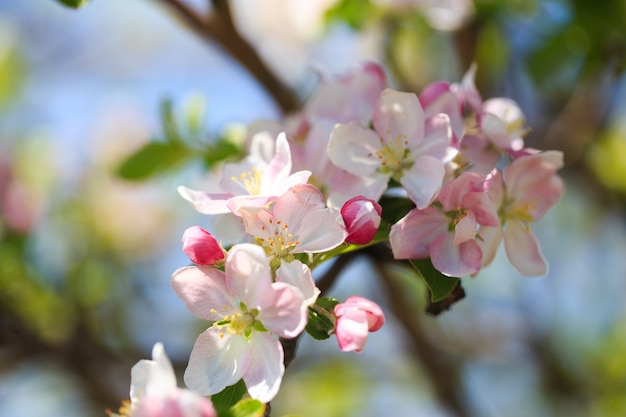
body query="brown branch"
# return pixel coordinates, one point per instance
(443, 371)
(218, 27)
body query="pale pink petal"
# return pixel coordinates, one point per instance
(285, 311)
(249, 275)
(243, 177)
(203, 290)
(522, 249)
(452, 193)
(465, 229)
(437, 98)
(216, 361)
(478, 155)
(482, 208)
(471, 96)
(455, 260)
(438, 139)
(352, 330)
(411, 236)
(299, 275)
(399, 115)
(495, 129)
(375, 316)
(264, 368)
(205, 203)
(423, 180)
(489, 239)
(296, 203)
(280, 165)
(297, 178)
(353, 148)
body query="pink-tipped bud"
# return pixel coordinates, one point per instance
(202, 247)
(361, 216)
(356, 317)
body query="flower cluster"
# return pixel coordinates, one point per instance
(314, 186)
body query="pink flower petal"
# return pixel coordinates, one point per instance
(353, 148)
(218, 359)
(204, 289)
(285, 313)
(522, 249)
(299, 275)
(423, 180)
(205, 203)
(411, 236)
(399, 115)
(263, 366)
(352, 330)
(455, 260)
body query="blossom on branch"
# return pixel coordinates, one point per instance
(251, 182)
(202, 247)
(403, 146)
(356, 317)
(248, 311)
(362, 218)
(153, 392)
(446, 231)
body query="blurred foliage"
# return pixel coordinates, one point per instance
(607, 158)
(11, 64)
(184, 141)
(74, 4)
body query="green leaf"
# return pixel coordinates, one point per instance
(220, 151)
(74, 4)
(439, 284)
(352, 12)
(224, 400)
(153, 158)
(248, 408)
(322, 318)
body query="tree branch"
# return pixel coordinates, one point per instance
(218, 27)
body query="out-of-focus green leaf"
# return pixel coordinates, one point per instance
(222, 150)
(352, 12)
(74, 4)
(439, 284)
(153, 158)
(492, 51)
(321, 323)
(224, 400)
(248, 408)
(11, 64)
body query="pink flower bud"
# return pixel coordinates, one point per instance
(362, 218)
(356, 317)
(202, 247)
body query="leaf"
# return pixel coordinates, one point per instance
(248, 408)
(74, 4)
(153, 158)
(220, 151)
(439, 284)
(321, 318)
(352, 12)
(224, 400)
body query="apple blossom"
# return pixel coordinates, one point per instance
(362, 218)
(446, 232)
(248, 311)
(296, 222)
(403, 146)
(202, 247)
(356, 317)
(253, 181)
(153, 391)
(524, 192)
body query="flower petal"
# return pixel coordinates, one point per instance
(216, 361)
(353, 148)
(299, 275)
(411, 236)
(285, 312)
(423, 180)
(205, 203)
(249, 274)
(203, 290)
(352, 330)
(522, 249)
(265, 368)
(455, 260)
(399, 115)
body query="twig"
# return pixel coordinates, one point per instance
(218, 27)
(443, 372)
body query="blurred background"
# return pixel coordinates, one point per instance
(88, 242)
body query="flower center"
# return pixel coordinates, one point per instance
(278, 241)
(393, 155)
(250, 181)
(241, 323)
